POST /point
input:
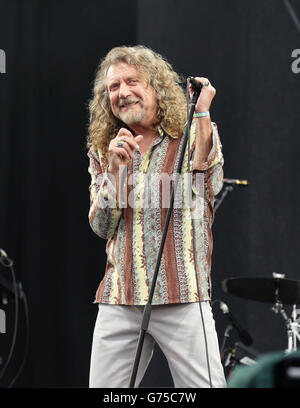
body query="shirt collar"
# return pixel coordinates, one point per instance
(163, 133)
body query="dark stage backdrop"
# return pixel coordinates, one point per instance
(52, 50)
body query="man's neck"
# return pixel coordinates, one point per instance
(146, 132)
(149, 134)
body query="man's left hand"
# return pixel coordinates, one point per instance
(206, 95)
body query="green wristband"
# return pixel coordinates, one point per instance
(201, 114)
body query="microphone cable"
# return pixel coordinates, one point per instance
(9, 263)
(292, 13)
(193, 239)
(18, 292)
(23, 295)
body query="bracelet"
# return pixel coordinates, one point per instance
(200, 114)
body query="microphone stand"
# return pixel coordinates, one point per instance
(218, 202)
(226, 336)
(147, 309)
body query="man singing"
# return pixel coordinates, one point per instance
(137, 120)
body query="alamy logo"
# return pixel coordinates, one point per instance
(296, 63)
(2, 62)
(2, 321)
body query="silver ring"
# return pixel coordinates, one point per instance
(206, 83)
(120, 143)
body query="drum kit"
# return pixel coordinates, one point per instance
(276, 290)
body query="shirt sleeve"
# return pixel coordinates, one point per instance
(213, 167)
(104, 213)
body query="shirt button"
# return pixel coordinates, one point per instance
(138, 196)
(138, 248)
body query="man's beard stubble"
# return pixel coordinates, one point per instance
(130, 117)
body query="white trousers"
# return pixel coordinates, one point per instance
(178, 331)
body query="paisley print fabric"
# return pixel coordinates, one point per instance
(133, 226)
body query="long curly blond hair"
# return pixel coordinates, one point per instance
(171, 115)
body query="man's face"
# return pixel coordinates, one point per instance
(132, 99)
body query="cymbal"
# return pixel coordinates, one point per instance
(264, 289)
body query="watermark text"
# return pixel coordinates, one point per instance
(2, 62)
(2, 321)
(152, 191)
(296, 63)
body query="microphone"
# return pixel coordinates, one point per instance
(195, 84)
(243, 334)
(237, 182)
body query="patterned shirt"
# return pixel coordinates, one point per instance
(133, 225)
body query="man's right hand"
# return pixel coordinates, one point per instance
(121, 155)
